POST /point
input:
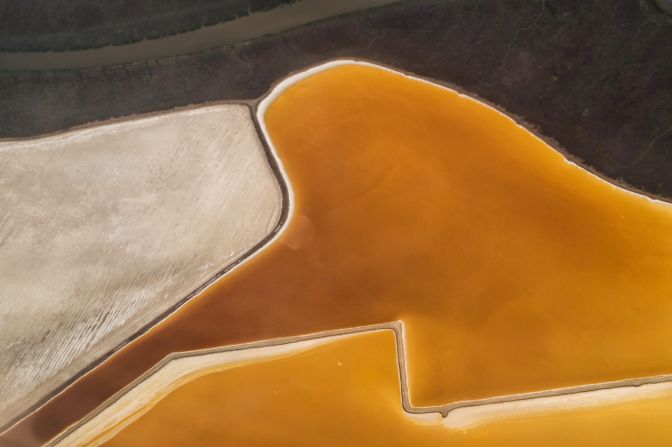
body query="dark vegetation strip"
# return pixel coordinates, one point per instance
(594, 75)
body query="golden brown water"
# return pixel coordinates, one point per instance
(340, 394)
(512, 270)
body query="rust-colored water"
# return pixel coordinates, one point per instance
(341, 394)
(512, 270)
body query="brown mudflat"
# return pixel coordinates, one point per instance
(512, 270)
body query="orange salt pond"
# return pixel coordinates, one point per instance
(512, 270)
(340, 394)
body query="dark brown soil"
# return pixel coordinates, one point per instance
(594, 75)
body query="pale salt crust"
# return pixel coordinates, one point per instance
(464, 413)
(103, 229)
(468, 417)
